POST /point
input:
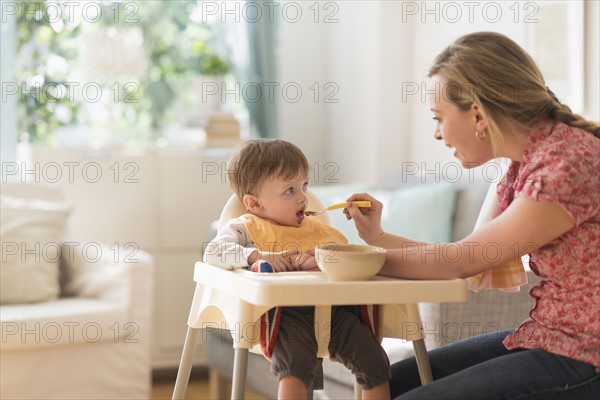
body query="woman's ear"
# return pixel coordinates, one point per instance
(251, 202)
(480, 119)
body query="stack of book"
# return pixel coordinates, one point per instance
(222, 130)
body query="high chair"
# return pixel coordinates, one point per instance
(235, 300)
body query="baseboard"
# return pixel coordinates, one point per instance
(160, 374)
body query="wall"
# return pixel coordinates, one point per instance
(302, 62)
(433, 37)
(378, 54)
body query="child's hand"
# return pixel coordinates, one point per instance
(307, 261)
(281, 261)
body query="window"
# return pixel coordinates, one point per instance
(115, 72)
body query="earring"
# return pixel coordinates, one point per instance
(478, 136)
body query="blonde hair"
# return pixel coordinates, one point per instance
(494, 72)
(261, 159)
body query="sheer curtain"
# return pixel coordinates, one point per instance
(250, 44)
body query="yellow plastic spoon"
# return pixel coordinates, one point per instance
(360, 203)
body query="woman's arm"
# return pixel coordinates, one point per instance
(525, 226)
(392, 241)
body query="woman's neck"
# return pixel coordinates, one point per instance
(514, 144)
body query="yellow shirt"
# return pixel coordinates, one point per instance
(270, 236)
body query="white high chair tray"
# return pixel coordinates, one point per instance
(314, 288)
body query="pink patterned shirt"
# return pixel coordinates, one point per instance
(561, 164)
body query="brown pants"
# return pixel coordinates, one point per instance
(351, 343)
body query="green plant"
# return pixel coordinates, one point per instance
(205, 61)
(176, 48)
(43, 51)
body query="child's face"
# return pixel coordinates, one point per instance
(282, 200)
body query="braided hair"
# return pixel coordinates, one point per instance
(561, 112)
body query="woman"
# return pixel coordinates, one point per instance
(489, 100)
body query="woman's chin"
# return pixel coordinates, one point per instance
(465, 162)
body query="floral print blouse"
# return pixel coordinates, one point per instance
(561, 164)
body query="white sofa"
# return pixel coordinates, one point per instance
(93, 341)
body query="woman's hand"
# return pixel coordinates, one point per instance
(366, 219)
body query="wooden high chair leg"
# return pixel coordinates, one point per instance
(422, 361)
(185, 365)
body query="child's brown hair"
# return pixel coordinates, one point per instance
(260, 159)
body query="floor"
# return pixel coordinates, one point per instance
(162, 388)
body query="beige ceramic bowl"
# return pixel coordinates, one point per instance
(349, 262)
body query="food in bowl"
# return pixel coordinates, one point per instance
(349, 262)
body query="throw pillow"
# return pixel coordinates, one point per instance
(421, 212)
(30, 236)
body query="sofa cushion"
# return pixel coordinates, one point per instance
(30, 232)
(64, 322)
(421, 212)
